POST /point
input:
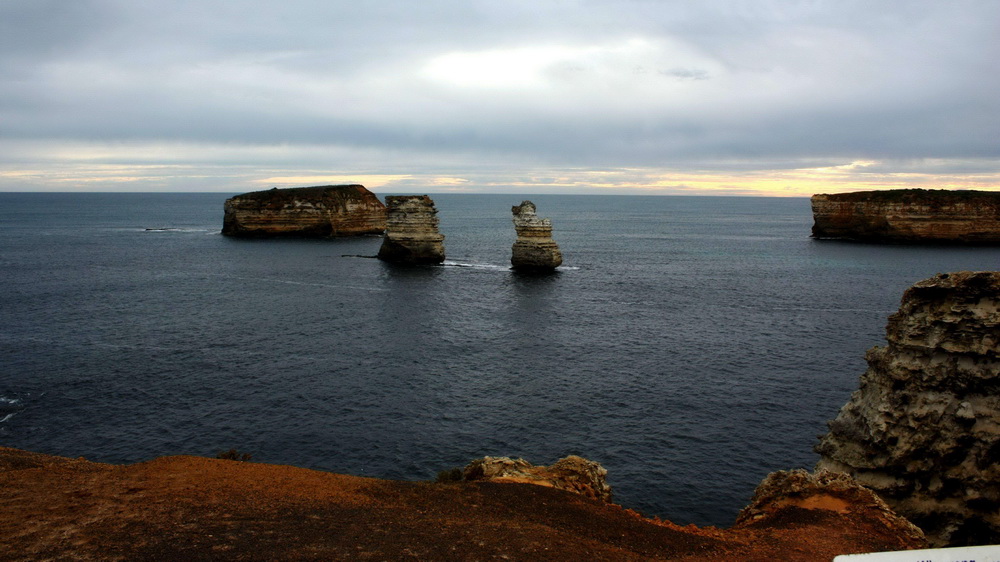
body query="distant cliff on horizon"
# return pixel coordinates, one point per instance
(909, 216)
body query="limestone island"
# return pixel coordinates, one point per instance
(325, 211)
(908, 216)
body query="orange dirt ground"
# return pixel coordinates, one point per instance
(195, 508)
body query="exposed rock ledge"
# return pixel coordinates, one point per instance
(314, 212)
(909, 216)
(182, 508)
(923, 429)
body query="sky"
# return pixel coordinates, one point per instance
(756, 97)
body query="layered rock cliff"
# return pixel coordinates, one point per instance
(909, 216)
(411, 235)
(315, 212)
(923, 429)
(534, 248)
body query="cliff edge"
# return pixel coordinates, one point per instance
(909, 216)
(923, 429)
(195, 508)
(313, 212)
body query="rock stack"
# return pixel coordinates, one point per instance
(534, 248)
(411, 235)
(923, 429)
(313, 212)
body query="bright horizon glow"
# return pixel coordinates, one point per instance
(860, 175)
(780, 98)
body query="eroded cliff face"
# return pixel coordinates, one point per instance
(534, 248)
(412, 235)
(314, 212)
(923, 429)
(909, 216)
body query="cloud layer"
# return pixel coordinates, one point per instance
(529, 96)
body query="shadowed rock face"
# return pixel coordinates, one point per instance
(923, 429)
(313, 212)
(534, 248)
(909, 216)
(412, 235)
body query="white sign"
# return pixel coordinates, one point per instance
(961, 554)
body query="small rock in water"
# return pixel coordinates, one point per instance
(534, 249)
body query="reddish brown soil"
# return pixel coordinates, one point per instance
(195, 508)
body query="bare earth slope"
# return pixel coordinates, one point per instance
(196, 508)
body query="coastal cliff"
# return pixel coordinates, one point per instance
(923, 429)
(909, 216)
(196, 508)
(411, 235)
(313, 212)
(534, 248)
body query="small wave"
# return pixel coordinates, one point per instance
(475, 265)
(177, 229)
(9, 407)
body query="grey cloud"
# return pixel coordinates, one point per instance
(775, 82)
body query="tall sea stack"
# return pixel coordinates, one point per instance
(411, 235)
(909, 216)
(313, 212)
(534, 249)
(923, 429)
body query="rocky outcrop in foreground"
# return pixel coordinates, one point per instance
(314, 212)
(534, 248)
(194, 508)
(573, 474)
(923, 429)
(909, 216)
(820, 490)
(412, 235)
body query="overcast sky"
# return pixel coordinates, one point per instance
(564, 96)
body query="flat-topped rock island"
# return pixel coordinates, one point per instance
(325, 211)
(909, 216)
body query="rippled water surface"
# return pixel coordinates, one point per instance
(689, 344)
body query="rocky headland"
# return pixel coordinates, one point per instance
(909, 216)
(313, 212)
(534, 248)
(411, 235)
(196, 508)
(923, 429)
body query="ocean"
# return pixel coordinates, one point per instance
(691, 345)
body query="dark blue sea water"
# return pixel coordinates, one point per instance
(689, 344)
